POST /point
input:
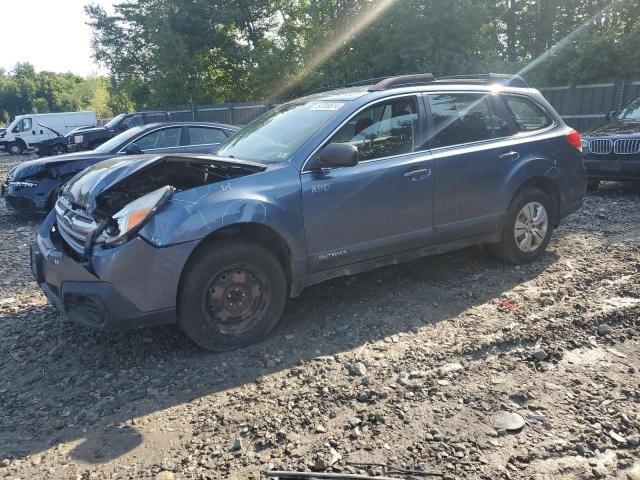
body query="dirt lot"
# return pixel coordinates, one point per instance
(405, 366)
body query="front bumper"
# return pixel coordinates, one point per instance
(130, 286)
(31, 200)
(614, 169)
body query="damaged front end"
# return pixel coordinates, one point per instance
(112, 201)
(90, 258)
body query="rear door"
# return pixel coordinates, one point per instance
(470, 162)
(384, 204)
(201, 139)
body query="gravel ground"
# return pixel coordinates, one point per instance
(405, 366)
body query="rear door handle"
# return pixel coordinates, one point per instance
(512, 155)
(418, 173)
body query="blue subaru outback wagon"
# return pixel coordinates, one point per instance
(331, 184)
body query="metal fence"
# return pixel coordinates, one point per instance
(585, 106)
(581, 106)
(239, 113)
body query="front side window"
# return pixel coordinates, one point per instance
(205, 136)
(114, 144)
(23, 125)
(383, 130)
(165, 138)
(527, 115)
(460, 118)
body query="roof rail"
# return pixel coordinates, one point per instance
(487, 78)
(403, 81)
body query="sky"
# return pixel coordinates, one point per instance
(50, 34)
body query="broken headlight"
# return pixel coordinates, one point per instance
(134, 215)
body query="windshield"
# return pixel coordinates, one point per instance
(116, 142)
(631, 111)
(277, 135)
(114, 121)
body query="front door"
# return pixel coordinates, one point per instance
(381, 206)
(26, 130)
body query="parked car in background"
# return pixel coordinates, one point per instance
(27, 131)
(90, 138)
(612, 151)
(331, 184)
(33, 186)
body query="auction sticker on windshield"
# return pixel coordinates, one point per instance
(327, 106)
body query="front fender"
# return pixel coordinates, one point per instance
(271, 198)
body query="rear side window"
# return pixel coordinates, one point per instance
(383, 130)
(527, 115)
(460, 118)
(205, 136)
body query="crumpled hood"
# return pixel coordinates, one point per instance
(86, 187)
(613, 129)
(32, 167)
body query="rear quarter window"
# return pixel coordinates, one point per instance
(527, 115)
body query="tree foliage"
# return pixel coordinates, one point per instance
(23, 90)
(200, 51)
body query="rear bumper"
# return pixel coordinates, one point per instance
(612, 169)
(130, 286)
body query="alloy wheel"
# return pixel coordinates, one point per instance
(530, 230)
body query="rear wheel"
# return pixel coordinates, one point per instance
(593, 184)
(15, 148)
(233, 294)
(527, 228)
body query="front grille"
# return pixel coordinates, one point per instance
(627, 146)
(74, 225)
(600, 146)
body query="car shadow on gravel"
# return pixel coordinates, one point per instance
(60, 382)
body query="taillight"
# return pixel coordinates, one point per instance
(573, 137)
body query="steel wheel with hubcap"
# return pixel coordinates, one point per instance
(233, 293)
(527, 227)
(531, 227)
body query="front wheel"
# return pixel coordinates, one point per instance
(15, 148)
(58, 150)
(233, 294)
(527, 227)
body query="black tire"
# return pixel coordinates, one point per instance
(239, 268)
(507, 249)
(15, 148)
(593, 184)
(57, 150)
(53, 198)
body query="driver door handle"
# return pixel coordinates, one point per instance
(511, 155)
(418, 173)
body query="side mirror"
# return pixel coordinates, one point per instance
(611, 114)
(15, 130)
(133, 149)
(337, 155)
(122, 127)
